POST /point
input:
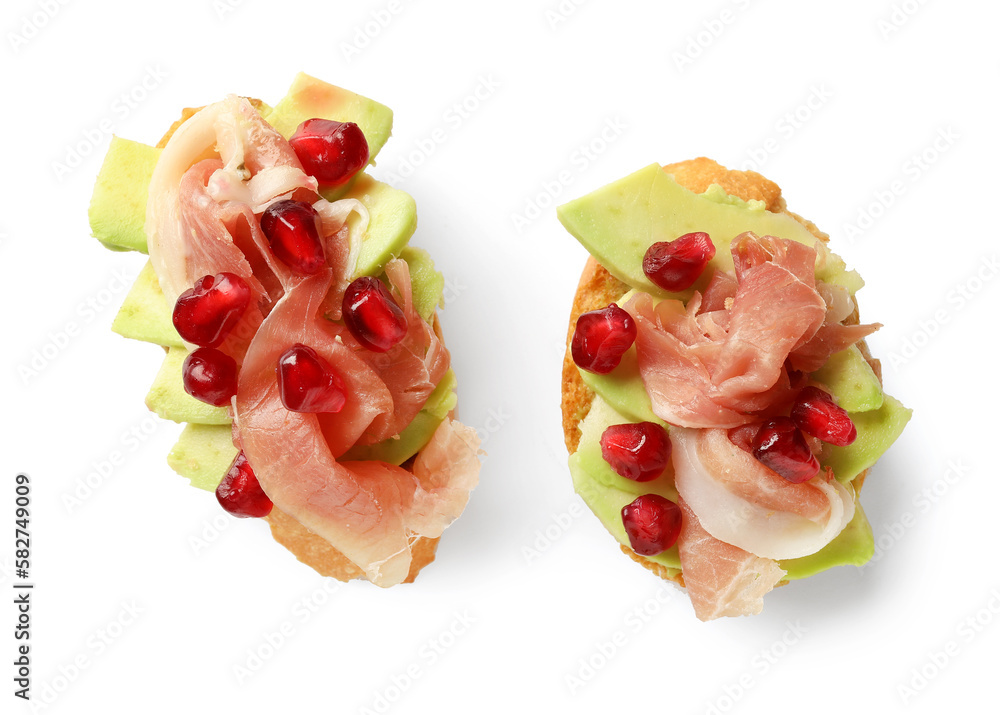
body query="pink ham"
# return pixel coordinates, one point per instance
(718, 362)
(367, 510)
(412, 368)
(722, 579)
(740, 501)
(202, 218)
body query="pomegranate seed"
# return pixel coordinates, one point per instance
(781, 447)
(639, 452)
(676, 265)
(601, 338)
(372, 315)
(307, 383)
(331, 151)
(239, 492)
(290, 227)
(205, 314)
(652, 524)
(816, 414)
(210, 376)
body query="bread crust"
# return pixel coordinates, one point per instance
(598, 288)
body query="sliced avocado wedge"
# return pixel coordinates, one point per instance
(428, 283)
(618, 222)
(309, 97)
(851, 380)
(118, 206)
(145, 314)
(168, 399)
(854, 546)
(877, 430)
(623, 390)
(603, 490)
(203, 454)
(392, 219)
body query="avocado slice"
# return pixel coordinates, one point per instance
(618, 222)
(168, 399)
(145, 314)
(851, 380)
(605, 492)
(309, 97)
(203, 454)
(427, 282)
(854, 546)
(623, 390)
(392, 219)
(118, 206)
(877, 430)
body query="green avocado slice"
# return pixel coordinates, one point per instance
(623, 390)
(203, 454)
(618, 222)
(309, 97)
(851, 380)
(118, 206)
(145, 314)
(427, 281)
(392, 219)
(877, 430)
(168, 399)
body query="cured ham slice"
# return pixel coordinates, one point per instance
(740, 501)
(367, 510)
(717, 362)
(410, 369)
(722, 579)
(218, 172)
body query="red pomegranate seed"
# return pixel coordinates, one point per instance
(781, 447)
(676, 265)
(372, 315)
(210, 376)
(816, 414)
(331, 151)
(601, 338)
(652, 524)
(639, 452)
(307, 382)
(290, 228)
(205, 314)
(239, 492)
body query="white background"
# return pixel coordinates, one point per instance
(837, 102)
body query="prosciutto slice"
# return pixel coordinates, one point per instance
(218, 172)
(367, 510)
(715, 363)
(741, 502)
(722, 579)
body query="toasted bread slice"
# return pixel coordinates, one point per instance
(598, 288)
